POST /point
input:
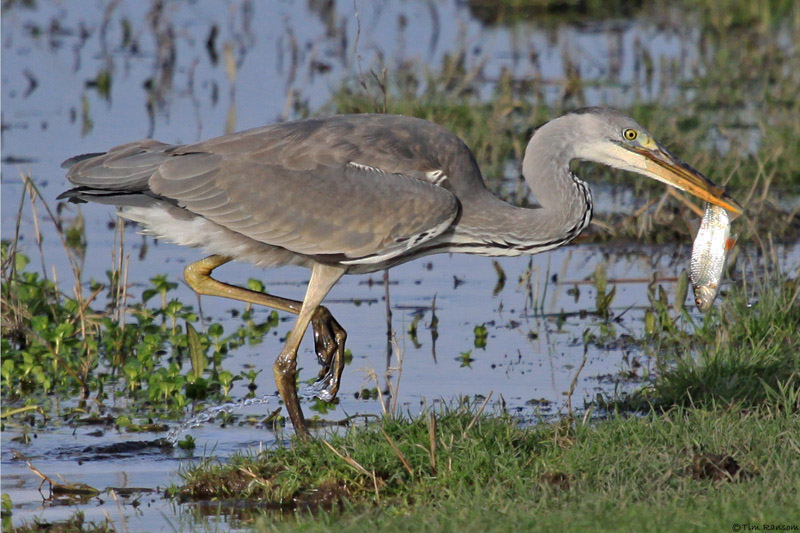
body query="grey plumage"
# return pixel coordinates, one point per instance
(256, 183)
(355, 194)
(283, 185)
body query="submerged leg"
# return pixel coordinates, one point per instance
(329, 336)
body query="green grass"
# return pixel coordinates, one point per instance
(743, 354)
(716, 442)
(630, 472)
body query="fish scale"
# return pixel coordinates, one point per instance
(709, 252)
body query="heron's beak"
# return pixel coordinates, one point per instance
(668, 168)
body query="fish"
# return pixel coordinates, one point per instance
(709, 252)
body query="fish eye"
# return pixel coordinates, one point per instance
(630, 134)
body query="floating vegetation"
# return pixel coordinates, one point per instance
(54, 343)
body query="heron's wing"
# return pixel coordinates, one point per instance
(352, 213)
(317, 205)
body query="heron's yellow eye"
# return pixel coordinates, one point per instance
(630, 134)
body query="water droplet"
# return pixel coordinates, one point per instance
(210, 413)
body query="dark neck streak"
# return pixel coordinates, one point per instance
(490, 226)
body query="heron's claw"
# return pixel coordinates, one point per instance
(329, 339)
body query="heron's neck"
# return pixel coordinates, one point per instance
(565, 200)
(565, 206)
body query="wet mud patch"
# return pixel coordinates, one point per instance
(213, 484)
(717, 467)
(238, 511)
(556, 480)
(121, 449)
(247, 488)
(242, 494)
(61, 492)
(77, 522)
(104, 452)
(326, 497)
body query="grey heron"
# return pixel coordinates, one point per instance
(353, 194)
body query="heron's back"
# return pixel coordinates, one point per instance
(351, 189)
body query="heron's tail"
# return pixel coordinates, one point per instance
(69, 163)
(117, 177)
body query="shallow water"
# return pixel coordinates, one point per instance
(521, 370)
(535, 331)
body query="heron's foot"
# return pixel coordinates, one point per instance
(329, 339)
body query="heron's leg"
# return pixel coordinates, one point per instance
(323, 277)
(198, 276)
(329, 336)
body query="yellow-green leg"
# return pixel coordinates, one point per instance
(329, 336)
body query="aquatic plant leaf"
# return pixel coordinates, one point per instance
(196, 354)
(649, 322)
(501, 279)
(481, 334)
(680, 292)
(600, 278)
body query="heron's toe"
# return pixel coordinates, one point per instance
(329, 340)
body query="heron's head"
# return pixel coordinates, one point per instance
(612, 138)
